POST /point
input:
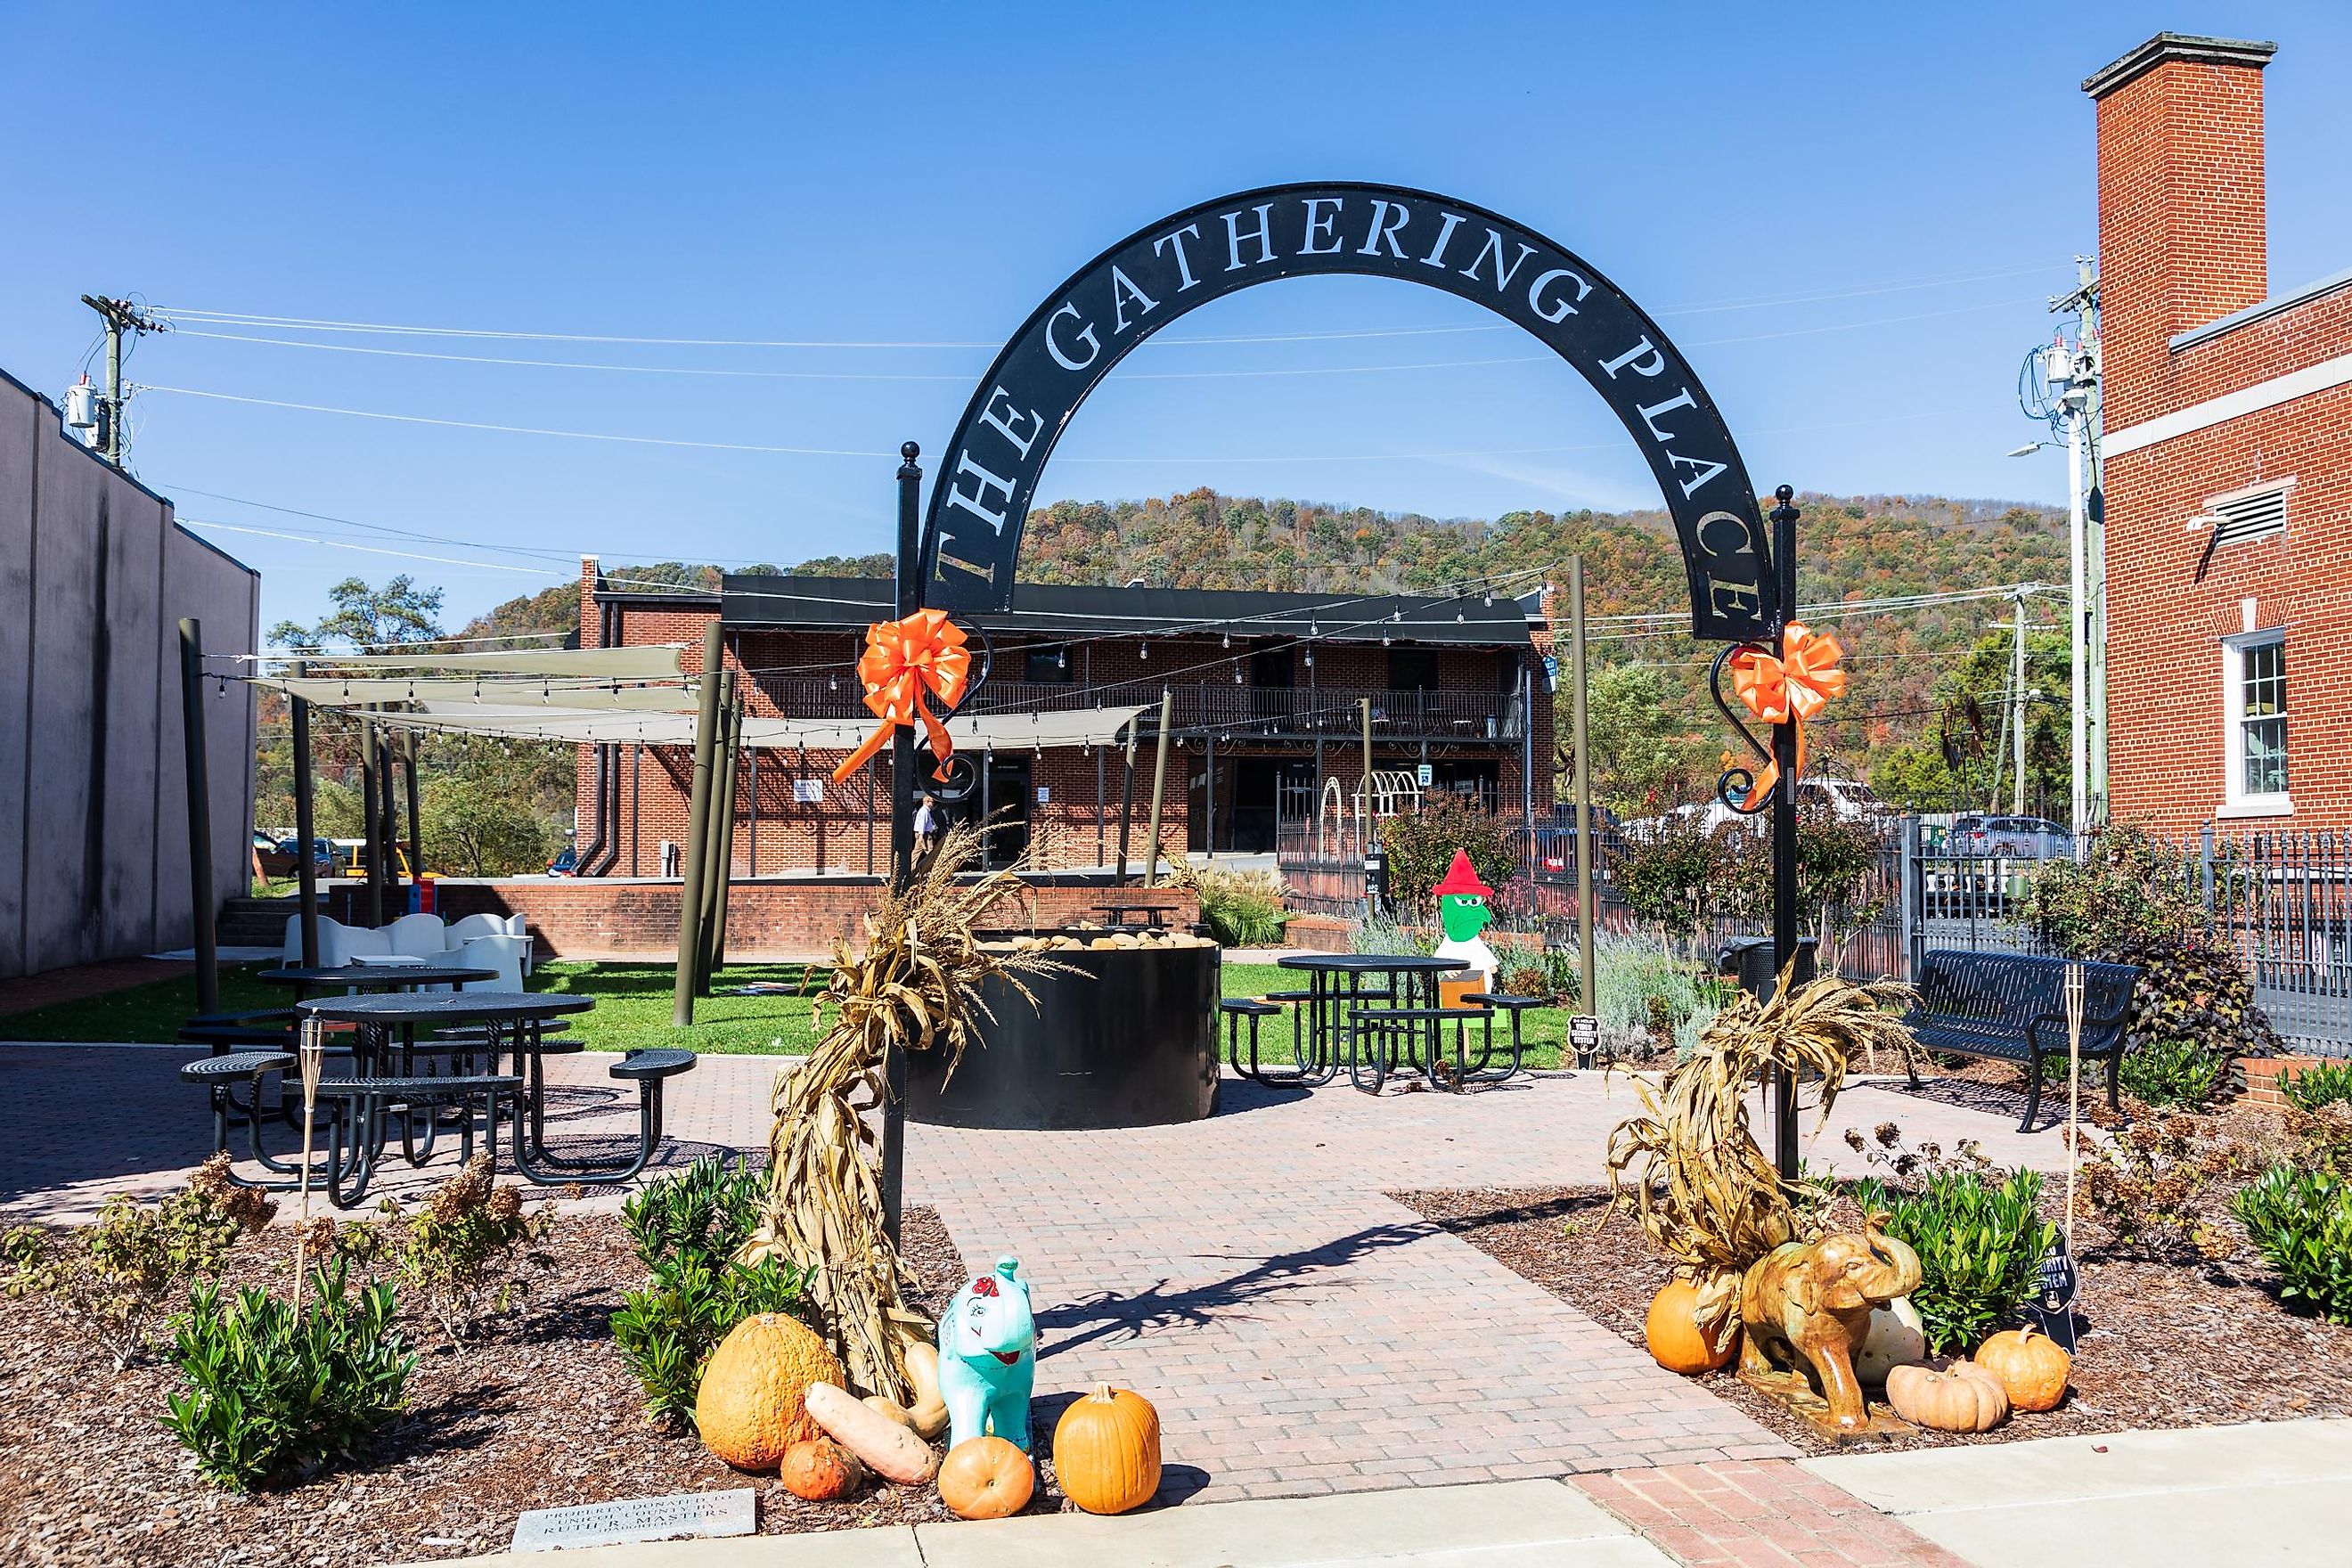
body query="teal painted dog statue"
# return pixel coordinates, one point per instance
(987, 1357)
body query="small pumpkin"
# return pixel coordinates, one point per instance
(1675, 1340)
(1107, 1450)
(2032, 1366)
(986, 1477)
(1960, 1397)
(751, 1404)
(820, 1470)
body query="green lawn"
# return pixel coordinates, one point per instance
(633, 1010)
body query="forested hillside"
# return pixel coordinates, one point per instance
(1659, 737)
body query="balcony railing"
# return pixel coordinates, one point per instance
(1222, 707)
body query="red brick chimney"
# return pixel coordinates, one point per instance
(2181, 223)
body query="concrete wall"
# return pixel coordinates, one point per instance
(94, 577)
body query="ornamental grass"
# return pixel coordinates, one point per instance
(1691, 1172)
(916, 988)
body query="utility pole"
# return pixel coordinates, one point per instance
(2017, 710)
(121, 316)
(2072, 372)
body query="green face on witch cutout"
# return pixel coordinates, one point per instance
(1464, 915)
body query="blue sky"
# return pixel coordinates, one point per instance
(1848, 216)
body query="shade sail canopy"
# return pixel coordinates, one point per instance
(993, 732)
(651, 663)
(503, 695)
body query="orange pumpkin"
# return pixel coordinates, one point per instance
(2033, 1367)
(986, 1477)
(1676, 1342)
(1962, 1397)
(1107, 1450)
(749, 1407)
(820, 1470)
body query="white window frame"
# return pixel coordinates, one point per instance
(2236, 799)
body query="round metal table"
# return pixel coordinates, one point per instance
(306, 978)
(1337, 994)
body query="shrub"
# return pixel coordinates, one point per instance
(1665, 876)
(2329, 1083)
(2194, 989)
(463, 1252)
(1980, 1244)
(1243, 908)
(1384, 934)
(111, 1276)
(688, 1228)
(2172, 1074)
(1421, 845)
(271, 1393)
(2161, 1185)
(1837, 865)
(1639, 986)
(2302, 1221)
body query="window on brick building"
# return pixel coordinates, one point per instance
(2255, 680)
(1047, 666)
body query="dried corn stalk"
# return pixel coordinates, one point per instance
(1701, 1187)
(915, 988)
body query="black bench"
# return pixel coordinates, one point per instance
(649, 1069)
(220, 1075)
(2012, 1007)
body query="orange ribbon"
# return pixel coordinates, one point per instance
(1791, 689)
(902, 661)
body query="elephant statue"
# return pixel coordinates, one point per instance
(1807, 1305)
(987, 1357)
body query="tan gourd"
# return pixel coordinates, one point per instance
(889, 1450)
(1963, 1397)
(749, 1407)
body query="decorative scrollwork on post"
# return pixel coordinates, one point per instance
(1735, 788)
(957, 778)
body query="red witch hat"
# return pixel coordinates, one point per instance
(1462, 879)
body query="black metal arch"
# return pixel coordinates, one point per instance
(980, 501)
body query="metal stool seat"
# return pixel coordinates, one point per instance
(358, 1106)
(222, 1073)
(1514, 1006)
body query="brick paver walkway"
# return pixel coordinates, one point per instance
(1764, 1513)
(1300, 1333)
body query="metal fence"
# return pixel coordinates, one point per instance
(2283, 900)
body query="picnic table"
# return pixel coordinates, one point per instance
(452, 1078)
(1148, 914)
(307, 979)
(1380, 1028)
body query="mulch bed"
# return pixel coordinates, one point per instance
(540, 1413)
(2168, 1344)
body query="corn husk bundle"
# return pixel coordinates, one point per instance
(1700, 1186)
(915, 988)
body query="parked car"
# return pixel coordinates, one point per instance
(1850, 800)
(2009, 837)
(278, 857)
(566, 864)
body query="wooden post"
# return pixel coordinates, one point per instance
(369, 824)
(200, 813)
(731, 764)
(718, 837)
(305, 826)
(1588, 1002)
(697, 811)
(1159, 792)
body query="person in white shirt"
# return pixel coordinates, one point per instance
(927, 825)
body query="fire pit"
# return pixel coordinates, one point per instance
(1127, 1038)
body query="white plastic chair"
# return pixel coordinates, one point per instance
(420, 936)
(503, 954)
(340, 944)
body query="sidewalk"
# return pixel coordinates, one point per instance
(2231, 1495)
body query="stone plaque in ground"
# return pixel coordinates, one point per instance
(637, 1518)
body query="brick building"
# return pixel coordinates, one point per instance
(2227, 462)
(1269, 693)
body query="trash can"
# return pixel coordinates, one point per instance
(1749, 958)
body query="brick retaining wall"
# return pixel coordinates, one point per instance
(599, 916)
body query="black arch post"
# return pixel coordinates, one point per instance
(902, 831)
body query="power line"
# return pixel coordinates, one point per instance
(239, 318)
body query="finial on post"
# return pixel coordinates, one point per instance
(910, 451)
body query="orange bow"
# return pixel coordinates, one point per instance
(902, 660)
(1791, 689)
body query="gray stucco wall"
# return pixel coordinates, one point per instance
(94, 577)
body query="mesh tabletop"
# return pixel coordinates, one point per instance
(445, 1008)
(373, 976)
(1371, 962)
